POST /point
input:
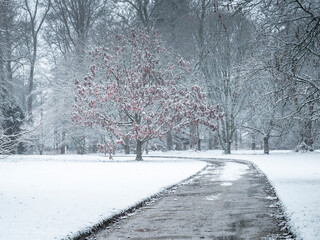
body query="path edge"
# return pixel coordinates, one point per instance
(108, 222)
(281, 214)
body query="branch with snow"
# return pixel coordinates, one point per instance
(135, 90)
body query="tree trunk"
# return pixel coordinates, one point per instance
(147, 148)
(94, 147)
(228, 148)
(139, 151)
(199, 145)
(30, 89)
(56, 142)
(185, 146)
(306, 141)
(236, 140)
(169, 141)
(266, 145)
(198, 140)
(126, 145)
(307, 136)
(253, 143)
(210, 144)
(178, 146)
(193, 139)
(41, 147)
(127, 149)
(34, 29)
(63, 147)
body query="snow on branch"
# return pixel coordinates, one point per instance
(135, 89)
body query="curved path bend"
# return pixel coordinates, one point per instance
(229, 200)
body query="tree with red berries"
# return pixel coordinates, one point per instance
(135, 91)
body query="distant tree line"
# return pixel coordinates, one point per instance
(257, 59)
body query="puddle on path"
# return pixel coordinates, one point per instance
(226, 184)
(212, 197)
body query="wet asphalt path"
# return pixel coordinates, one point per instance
(208, 206)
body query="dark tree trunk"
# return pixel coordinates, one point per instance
(147, 148)
(266, 145)
(169, 141)
(35, 26)
(185, 146)
(30, 88)
(210, 144)
(139, 151)
(306, 140)
(94, 147)
(127, 145)
(41, 147)
(63, 147)
(236, 140)
(56, 142)
(63, 150)
(253, 143)
(178, 145)
(127, 149)
(198, 140)
(214, 139)
(199, 145)
(193, 139)
(306, 131)
(228, 148)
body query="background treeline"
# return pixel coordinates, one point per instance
(257, 59)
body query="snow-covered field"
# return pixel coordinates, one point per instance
(42, 199)
(296, 178)
(51, 197)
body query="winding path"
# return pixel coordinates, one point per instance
(229, 200)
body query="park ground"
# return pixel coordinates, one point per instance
(56, 197)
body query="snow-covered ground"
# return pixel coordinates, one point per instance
(52, 197)
(296, 178)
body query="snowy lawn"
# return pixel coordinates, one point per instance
(52, 197)
(296, 178)
(45, 199)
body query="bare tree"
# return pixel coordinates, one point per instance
(71, 22)
(222, 47)
(9, 40)
(294, 26)
(143, 9)
(11, 96)
(266, 108)
(35, 23)
(69, 32)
